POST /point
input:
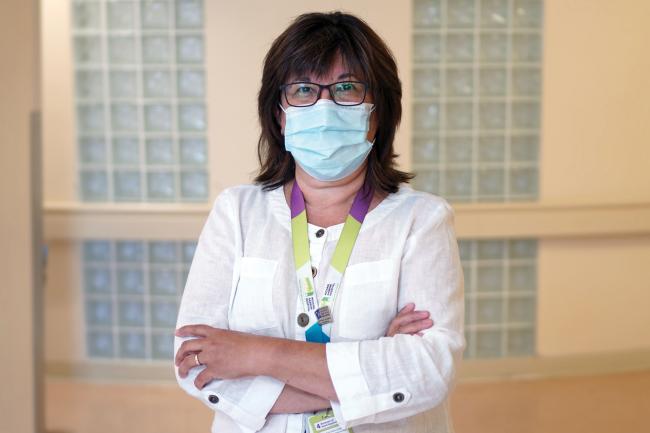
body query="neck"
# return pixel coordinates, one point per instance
(320, 196)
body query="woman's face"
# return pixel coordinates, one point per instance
(338, 72)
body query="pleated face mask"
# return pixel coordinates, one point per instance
(329, 141)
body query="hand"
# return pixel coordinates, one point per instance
(225, 354)
(409, 321)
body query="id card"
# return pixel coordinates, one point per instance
(324, 422)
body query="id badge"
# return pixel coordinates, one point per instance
(324, 422)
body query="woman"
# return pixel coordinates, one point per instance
(289, 320)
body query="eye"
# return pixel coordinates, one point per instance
(347, 86)
(301, 90)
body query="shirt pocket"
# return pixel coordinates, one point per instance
(367, 300)
(252, 304)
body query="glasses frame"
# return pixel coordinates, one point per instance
(283, 89)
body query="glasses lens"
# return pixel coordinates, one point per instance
(348, 92)
(301, 93)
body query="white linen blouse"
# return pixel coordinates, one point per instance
(242, 277)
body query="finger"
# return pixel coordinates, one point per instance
(410, 317)
(189, 346)
(203, 379)
(408, 307)
(414, 327)
(200, 330)
(188, 363)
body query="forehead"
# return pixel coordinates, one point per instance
(337, 70)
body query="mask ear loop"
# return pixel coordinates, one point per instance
(281, 107)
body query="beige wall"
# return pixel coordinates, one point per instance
(593, 290)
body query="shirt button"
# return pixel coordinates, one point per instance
(314, 271)
(398, 397)
(320, 233)
(303, 319)
(213, 399)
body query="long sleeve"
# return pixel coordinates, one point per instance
(205, 300)
(391, 378)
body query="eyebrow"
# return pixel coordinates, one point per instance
(345, 75)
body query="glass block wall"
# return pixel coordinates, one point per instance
(140, 100)
(500, 297)
(476, 111)
(131, 291)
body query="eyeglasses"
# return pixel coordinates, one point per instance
(304, 94)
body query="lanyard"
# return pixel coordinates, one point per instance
(317, 313)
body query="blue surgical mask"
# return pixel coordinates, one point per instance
(329, 141)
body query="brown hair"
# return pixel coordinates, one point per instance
(311, 44)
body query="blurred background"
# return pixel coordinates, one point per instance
(120, 122)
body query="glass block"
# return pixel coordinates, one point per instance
(469, 310)
(491, 249)
(163, 252)
(523, 181)
(87, 49)
(156, 49)
(522, 248)
(163, 313)
(90, 118)
(126, 185)
(188, 249)
(521, 310)
(99, 344)
(89, 84)
(492, 81)
(492, 115)
(92, 149)
(158, 117)
(489, 278)
(130, 281)
(130, 251)
(460, 81)
(163, 281)
(131, 313)
(460, 47)
(126, 150)
(123, 84)
(157, 84)
(426, 82)
(160, 151)
(121, 15)
(160, 185)
(526, 47)
(193, 151)
(521, 342)
(426, 115)
(460, 13)
(466, 250)
(425, 149)
(189, 49)
(184, 275)
(121, 49)
(468, 353)
(96, 250)
(460, 115)
(99, 312)
(494, 13)
(467, 277)
(427, 180)
(426, 48)
(426, 13)
(526, 81)
(189, 13)
(94, 185)
(489, 311)
(491, 181)
(124, 117)
(491, 148)
(97, 280)
(488, 344)
(86, 15)
(458, 149)
(155, 14)
(524, 148)
(458, 182)
(191, 117)
(162, 346)
(525, 115)
(194, 184)
(132, 344)
(191, 83)
(528, 13)
(494, 47)
(522, 277)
